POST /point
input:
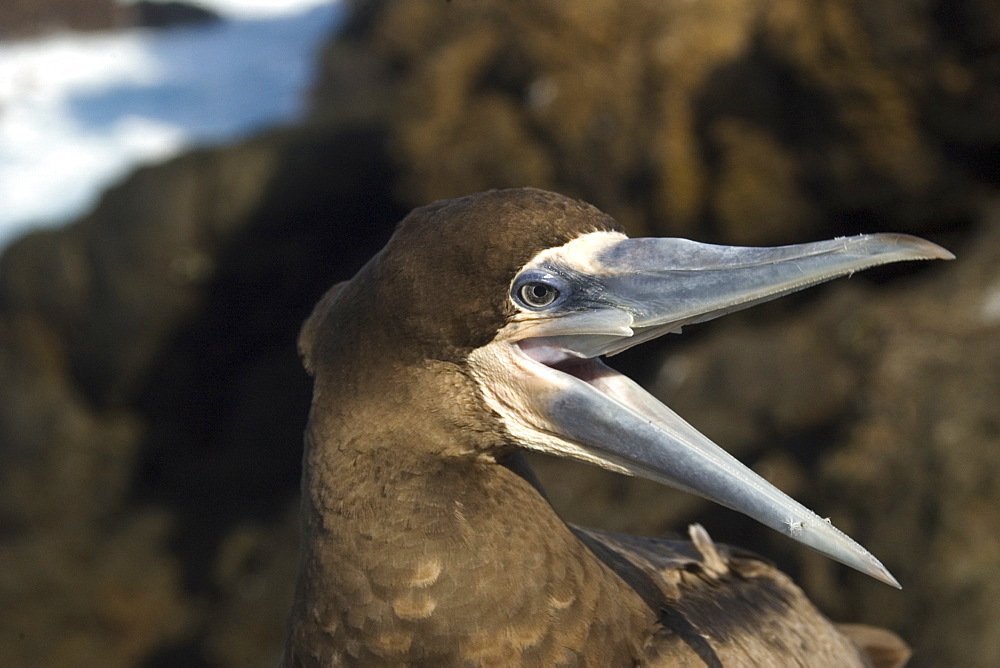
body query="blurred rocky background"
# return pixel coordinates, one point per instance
(151, 401)
(24, 18)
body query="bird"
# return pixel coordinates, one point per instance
(478, 333)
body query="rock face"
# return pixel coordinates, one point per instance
(739, 120)
(160, 14)
(151, 403)
(21, 18)
(28, 18)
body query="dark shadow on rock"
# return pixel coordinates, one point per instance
(171, 14)
(227, 402)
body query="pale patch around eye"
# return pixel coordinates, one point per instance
(581, 253)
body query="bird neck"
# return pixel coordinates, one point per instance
(410, 557)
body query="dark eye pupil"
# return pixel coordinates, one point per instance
(538, 294)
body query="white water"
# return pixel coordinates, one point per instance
(80, 111)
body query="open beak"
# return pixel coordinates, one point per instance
(603, 293)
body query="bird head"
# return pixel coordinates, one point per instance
(524, 291)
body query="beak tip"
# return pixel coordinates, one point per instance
(876, 570)
(827, 539)
(891, 581)
(921, 248)
(882, 574)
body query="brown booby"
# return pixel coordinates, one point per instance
(477, 332)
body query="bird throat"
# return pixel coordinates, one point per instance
(429, 558)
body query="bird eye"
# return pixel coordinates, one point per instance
(537, 294)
